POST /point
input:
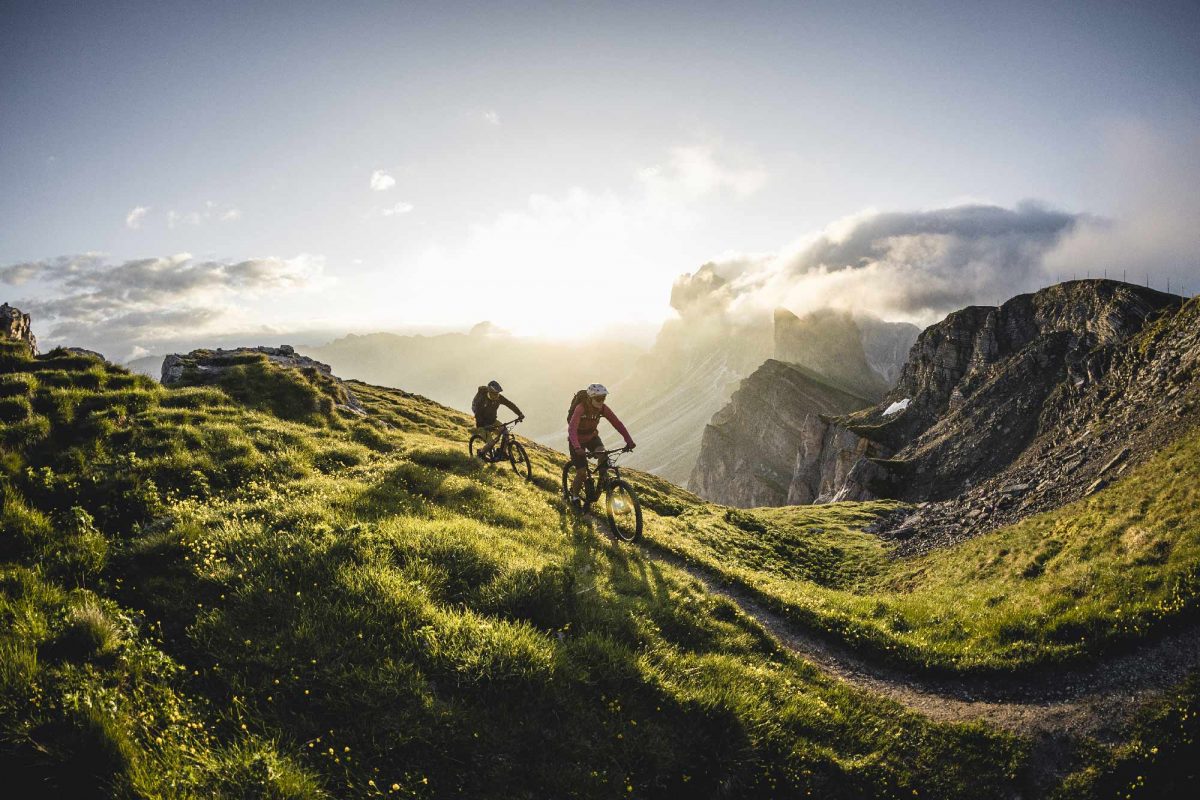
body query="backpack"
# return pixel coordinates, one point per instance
(579, 397)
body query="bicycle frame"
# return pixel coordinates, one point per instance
(606, 464)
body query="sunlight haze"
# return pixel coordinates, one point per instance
(554, 168)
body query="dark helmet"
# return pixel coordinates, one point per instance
(495, 386)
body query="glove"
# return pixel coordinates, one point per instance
(521, 418)
(629, 446)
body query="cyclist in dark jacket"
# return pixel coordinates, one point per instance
(485, 405)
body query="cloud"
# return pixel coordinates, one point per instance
(697, 171)
(133, 220)
(381, 181)
(396, 210)
(491, 117)
(136, 301)
(211, 211)
(915, 265)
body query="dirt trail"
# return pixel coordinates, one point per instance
(1091, 700)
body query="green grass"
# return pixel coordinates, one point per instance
(1063, 586)
(202, 595)
(201, 599)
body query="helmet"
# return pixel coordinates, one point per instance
(597, 390)
(494, 386)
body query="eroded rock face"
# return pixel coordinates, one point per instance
(1122, 404)
(773, 444)
(14, 324)
(978, 383)
(770, 442)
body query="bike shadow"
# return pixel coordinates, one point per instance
(631, 571)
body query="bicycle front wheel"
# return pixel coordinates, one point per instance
(520, 460)
(624, 511)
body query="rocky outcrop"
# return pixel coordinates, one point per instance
(83, 351)
(977, 383)
(15, 325)
(773, 441)
(1123, 403)
(773, 444)
(837, 466)
(207, 366)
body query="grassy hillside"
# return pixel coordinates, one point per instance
(1064, 586)
(1070, 584)
(203, 599)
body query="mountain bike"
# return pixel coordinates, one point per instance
(506, 448)
(621, 503)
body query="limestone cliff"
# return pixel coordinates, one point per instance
(760, 448)
(977, 384)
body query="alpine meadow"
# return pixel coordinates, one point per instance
(614, 401)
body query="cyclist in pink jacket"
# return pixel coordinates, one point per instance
(582, 435)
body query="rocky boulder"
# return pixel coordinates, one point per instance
(15, 325)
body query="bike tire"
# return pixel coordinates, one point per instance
(475, 445)
(520, 460)
(568, 476)
(624, 511)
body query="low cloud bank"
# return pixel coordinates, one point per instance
(915, 266)
(84, 299)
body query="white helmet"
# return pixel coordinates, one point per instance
(597, 390)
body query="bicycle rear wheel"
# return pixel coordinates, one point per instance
(475, 445)
(520, 460)
(624, 511)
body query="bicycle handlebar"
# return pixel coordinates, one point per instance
(599, 453)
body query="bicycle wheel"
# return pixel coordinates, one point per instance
(624, 511)
(567, 479)
(475, 445)
(520, 460)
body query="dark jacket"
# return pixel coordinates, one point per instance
(484, 408)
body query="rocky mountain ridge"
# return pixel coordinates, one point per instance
(773, 443)
(977, 386)
(1123, 402)
(758, 450)
(999, 412)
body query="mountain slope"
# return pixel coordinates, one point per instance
(211, 601)
(539, 376)
(830, 344)
(208, 600)
(1051, 418)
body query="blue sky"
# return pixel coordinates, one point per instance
(532, 160)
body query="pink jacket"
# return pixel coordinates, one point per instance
(585, 420)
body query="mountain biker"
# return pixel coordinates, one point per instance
(582, 435)
(485, 405)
